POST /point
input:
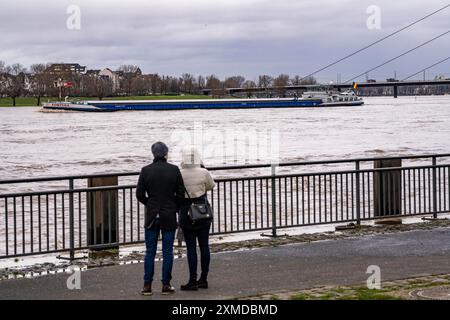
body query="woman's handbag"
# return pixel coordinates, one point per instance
(199, 211)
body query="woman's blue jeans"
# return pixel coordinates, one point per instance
(151, 242)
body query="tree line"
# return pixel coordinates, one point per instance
(38, 82)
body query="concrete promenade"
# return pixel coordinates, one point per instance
(251, 272)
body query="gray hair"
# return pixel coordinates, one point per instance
(159, 149)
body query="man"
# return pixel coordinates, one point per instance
(160, 188)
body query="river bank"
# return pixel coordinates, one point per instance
(219, 245)
(250, 273)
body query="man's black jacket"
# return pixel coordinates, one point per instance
(161, 189)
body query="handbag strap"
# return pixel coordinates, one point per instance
(185, 190)
(189, 197)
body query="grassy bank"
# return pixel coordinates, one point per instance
(26, 102)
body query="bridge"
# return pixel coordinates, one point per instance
(337, 86)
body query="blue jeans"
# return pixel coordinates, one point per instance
(151, 242)
(191, 237)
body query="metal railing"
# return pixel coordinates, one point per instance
(58, 220)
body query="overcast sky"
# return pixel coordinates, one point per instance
(224, 37)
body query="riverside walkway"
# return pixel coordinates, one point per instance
(252, 272)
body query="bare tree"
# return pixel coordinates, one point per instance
(308, 80)
(234, 82)
(215, 85)
(2, 67)
(155, 83)
(39, 81)
(174, 85)
(201, 83)
(249, 84)
(187, 82)
(140, 86)
(280, 83)
(165, 84)
(265, 81)
(3, 78)
(15, 83)
(98, 86)
(128, 72)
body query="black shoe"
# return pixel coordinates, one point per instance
(190, 286)
(202, 284)
(147, 289)
(167, 289)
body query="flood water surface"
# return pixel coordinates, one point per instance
(33, 143)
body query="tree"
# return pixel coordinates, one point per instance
(39, 81)
(201, 83)
(2, 67)
(128, 72)
(98, 86)
(307, 80)
(281, 82)
(249, 84)
(234, 82)
(3, 78)
(187, 82)
(155, 83)
(215, 85)
(174, 85)
(265, 81)
(140, 86)
(165, 84)
(15, 81)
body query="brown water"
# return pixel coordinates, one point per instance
(33, 143)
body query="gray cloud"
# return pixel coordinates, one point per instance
(222, 37)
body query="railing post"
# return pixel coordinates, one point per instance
(273, 186)
(71, 222)
(358, 195)
(434, 188)
(274, 197)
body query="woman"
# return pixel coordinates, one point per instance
(197, 181)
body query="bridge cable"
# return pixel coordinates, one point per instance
(399, 56)
(374, 43)
(424, 69)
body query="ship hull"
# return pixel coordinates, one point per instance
(141, 105)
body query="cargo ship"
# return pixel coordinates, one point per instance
(126, 105)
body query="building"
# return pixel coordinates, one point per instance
(92, 72)
(114, 76)
(56, 68)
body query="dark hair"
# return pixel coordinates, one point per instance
(159, 150)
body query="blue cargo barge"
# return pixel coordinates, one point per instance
(123, 105)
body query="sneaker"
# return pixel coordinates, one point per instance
(167, 289)
(190, 286)
(147, 289)
(202, 284)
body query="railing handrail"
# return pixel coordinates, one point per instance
(233, 179)
(223, 168)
